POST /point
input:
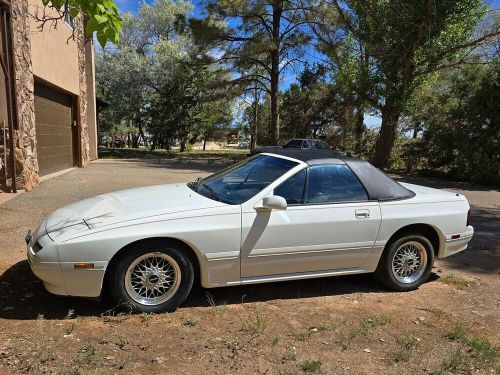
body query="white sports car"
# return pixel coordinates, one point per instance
(272, 217)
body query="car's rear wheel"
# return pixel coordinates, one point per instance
(152, 277)
(406, 263)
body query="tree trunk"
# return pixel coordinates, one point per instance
(275, 102)
(204, 144)
(410, 156)
(359, 127)
(183, 145)
(387, 134)
(255, 127)
(275, 72)
(141, 134)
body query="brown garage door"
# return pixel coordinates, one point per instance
(53, 117)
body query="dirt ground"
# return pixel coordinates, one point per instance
(342, 325)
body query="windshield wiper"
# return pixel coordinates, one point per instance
(212, 192)
(195, 184)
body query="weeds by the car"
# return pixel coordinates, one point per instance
(474, 353)
(457, 333)
(302, 335)
(255, 326)
(276, 339)
(220, 307)
(146, 317)
(89, 355)
(455, 280)
(325, 327)
(311, 366)
(368, 324)
(406, 347)
(70, 328)
(289, 356)
(374, 321)
(191, 322)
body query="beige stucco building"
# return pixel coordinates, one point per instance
(47, 94)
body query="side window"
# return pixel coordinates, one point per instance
(293, 188)
(333, 183)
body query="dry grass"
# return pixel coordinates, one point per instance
(457, 281)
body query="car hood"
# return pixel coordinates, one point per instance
(125, 205)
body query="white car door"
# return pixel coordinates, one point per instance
(329, 224)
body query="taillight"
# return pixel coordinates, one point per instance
(468, 218)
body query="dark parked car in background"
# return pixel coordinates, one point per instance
(298, 143)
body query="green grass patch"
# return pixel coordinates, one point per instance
(311, 366)
(220, 307)
(302, 335)
(90, 355)
(457, 333)
(474, 353)
(289, 356)
(254, 327)
(374, 321)
(405, 350)
(455, 280)
(325, 327)
(191, 322)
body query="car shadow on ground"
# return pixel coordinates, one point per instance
(23, 297)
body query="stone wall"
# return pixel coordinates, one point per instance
(27, 169)
(24, 136)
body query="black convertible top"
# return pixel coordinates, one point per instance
(378, 185)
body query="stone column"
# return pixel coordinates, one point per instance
(26, 162)
(82, 99)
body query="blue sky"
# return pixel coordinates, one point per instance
(133, 5)
(371, 121)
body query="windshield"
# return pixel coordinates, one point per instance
(322, 145)
(239, 182)
(293, 143)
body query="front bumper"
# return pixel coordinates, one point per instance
(45, 264)
(457, 242)
(62, 278)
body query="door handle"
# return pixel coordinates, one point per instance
(362, 214)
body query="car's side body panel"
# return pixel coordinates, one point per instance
(445, 212)
(307, 238)
(214, 236)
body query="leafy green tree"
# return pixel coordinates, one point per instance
(262, 40)
(458, 126)
(348, 62)
(310, 105)
(406, 41)
(102, 17)
(159, 78)
(122, 81)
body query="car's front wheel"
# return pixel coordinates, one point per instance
(153, 278)
(406, 263)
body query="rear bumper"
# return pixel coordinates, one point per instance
(457, 242)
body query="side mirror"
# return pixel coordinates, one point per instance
(274, 202)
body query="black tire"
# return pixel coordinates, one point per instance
(175, 254)
(385, 274)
